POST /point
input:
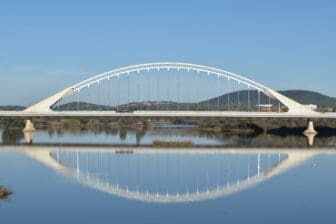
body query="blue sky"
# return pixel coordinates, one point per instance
(46, 46)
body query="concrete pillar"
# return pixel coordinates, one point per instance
(310, 133)
(310, 139)
(29, 126)
(310, 129)
(28, 136)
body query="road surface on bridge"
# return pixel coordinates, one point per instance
(223, 114)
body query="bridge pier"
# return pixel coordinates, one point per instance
(29, 126)
(28, 135)
(310, 129)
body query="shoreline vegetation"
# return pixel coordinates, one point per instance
(247, 126)
(239, 131)
(158, 143)
(4, 193)
(323, 102)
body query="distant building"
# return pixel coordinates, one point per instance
(328, 109)
(311, 106)
(265, 107)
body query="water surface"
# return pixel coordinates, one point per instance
(82, 177)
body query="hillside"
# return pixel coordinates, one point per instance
(302, 96)
(12, 108)
(310, 97)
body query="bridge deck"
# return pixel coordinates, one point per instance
(143, 149)
(234, 114)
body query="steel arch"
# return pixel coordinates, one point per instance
(167, 65)
(293, 106)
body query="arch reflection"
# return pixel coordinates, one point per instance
(169, 176)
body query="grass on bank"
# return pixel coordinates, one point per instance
(158, 143)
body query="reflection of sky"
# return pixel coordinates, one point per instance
(87, 137)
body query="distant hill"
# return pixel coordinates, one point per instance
(12, 108)
(302, 96)
(310, 97)
(149, 105)
(82, 106)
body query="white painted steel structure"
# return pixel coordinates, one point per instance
(43, 108)
(234, 114)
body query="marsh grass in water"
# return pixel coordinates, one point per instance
(4, 193)
(157, 143)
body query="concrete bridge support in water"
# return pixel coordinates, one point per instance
(29, 131)
(29, 126)
(310, 129)
(310, 132)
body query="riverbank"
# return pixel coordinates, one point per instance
(182, 144)
(248, 126)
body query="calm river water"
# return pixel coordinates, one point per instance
(118, 177)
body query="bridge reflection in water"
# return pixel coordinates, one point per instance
(169, 175)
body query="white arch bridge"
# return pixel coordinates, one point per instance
(208, 92)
